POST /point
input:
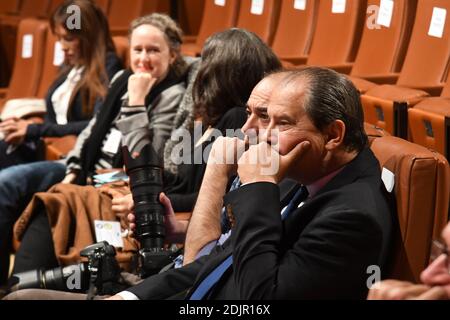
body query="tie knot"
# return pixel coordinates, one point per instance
(300, 196)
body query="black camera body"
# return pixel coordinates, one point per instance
(146, 184)
(101, 270)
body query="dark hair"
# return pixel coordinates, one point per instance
(172, 33)
(95, 42)
(233, 62)
(331, 96)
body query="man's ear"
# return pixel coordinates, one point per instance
(335, 135)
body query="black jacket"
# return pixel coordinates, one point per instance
(321, 251)
(76, 120)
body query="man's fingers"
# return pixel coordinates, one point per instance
(131, 218)
(165, 201)
(435, 293)
(298, 152)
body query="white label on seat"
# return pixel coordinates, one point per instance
(300, 4)
(220, 3)
(257, 7)
(338, 6)
(27, 46)
(389, 179)
(58, 56)
(437, 24)
(385, 13)
(109, 231)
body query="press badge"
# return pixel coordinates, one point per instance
(108, 231)
(112, 144)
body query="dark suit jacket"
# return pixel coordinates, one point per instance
(321, 251)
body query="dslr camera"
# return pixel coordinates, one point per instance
(100, 271)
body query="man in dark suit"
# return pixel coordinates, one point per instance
(338, 224)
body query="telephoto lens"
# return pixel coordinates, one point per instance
(74, 278)
(146, 184)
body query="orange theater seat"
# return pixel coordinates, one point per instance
(295, 30)
(337, 34)
(384, 43)
(122, 48)
(216, 18)
(121, 13)
(423, 73)
(429, 122)
(29, 61)
(420, 180)
(260, 17)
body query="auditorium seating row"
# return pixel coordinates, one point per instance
(119, 12)
(396, 52)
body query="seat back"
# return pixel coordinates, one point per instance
(34, 8)
(121, 13)
(104, 5)
(260, 17)
(217, 17)
(122, 48)
(302, 19)
(383, 46)
(9, 6)
(422, 192)
(53, 5)
(426, 62)
(30, 52)
(54, 57)
(338, 32)
(190, 13)
(446, 91)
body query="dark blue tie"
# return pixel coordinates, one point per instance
(208, 283)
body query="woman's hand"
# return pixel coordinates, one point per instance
(15, 130)
(70, 178)
(139, 86)
(122, 205)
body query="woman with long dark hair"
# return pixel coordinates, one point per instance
(71, 102)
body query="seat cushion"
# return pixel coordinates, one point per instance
(362, 85)
(397, 94)
(436, 105)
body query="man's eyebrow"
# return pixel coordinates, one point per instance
(261, 109)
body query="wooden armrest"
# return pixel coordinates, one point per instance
(58, 148)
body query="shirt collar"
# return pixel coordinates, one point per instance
(315, 187)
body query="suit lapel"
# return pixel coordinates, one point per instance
(362, 165)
